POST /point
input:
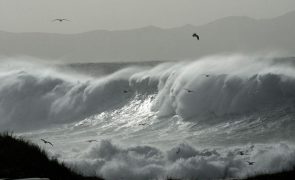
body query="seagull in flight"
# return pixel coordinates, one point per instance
(60, 20)
(250, 162)
(207, 75)
(196, 36)
(47, 142)
(92, 140)
(242, 153)
(188, 90)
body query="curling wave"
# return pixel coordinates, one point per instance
(220, 85)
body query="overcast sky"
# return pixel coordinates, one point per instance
(86, 15)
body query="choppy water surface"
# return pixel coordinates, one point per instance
(181, 119)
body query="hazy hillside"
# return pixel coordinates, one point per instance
(232, 34)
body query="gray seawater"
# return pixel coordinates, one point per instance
(157, 119)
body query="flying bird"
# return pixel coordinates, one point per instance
(207, 75)
(196, 36)
(242, 153)
(250, 162)
(46, 142)
(60, 20)
(188, 90)
(92, 140)
(125, 91)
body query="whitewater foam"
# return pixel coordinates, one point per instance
(149, 125)
(182, 161)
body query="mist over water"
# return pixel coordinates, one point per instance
(177, 119)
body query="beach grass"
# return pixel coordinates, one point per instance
(20, 158)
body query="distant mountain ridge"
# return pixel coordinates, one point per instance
(226, 35)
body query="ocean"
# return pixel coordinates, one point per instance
(218, 117)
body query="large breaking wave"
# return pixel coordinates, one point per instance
(39, 95)
(174, 119)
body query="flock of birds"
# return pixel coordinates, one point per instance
(195, 35)
(50, 143)
(189, 90)
(141, 124)
(241, 153)
(178, 151)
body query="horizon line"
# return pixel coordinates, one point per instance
(150, 26)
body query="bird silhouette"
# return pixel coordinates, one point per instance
(60, 20)
(142, 124)
(125, 91)
(46, 142)
(207, 75)
(92, 140)
(196, 36)
(242, 153)
(188, 90)
(250, 162)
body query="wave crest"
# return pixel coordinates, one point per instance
(216, 86)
